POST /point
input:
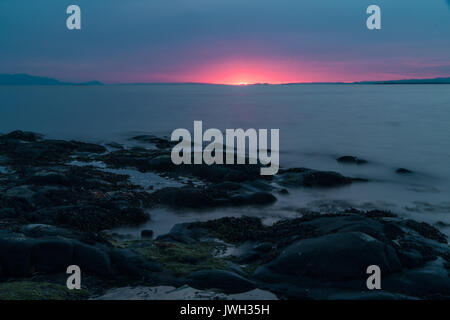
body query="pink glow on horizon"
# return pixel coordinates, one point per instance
(272, 72)
(246, 72)
(242, 71)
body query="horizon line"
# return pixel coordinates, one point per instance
(96, 82)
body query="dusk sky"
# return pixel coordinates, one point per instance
(225, 41)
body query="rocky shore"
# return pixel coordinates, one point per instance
(58, 207)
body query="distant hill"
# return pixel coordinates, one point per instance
(409, 81)
(27, 80)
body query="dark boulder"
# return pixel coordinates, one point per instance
(92, 259)
(48, 179)
(297, 177)
(161, 163)
(21, 136)
(403, 171)
(226, 281)
(161, 143)
(351, 160)
(147, 234)
(257, 198)
(51, 256)
(128, 263)
(185, 197)
(15, 257)
(335, 257)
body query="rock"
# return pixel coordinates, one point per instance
(45, 230)
(187, 233)
(21, 135)
(226, 281)
(52, 256)
(227, 186)
(297, 177)
(87, 147)
(257, 198)
(263, 247)
(24, 192)
(431, 282)
(48, 179)
(115, 145)
(335, 257)
(411, 258)
(324, 179)
(347, 223)
(159, 142)
(426, 230)
(147, 234)
(6, 213)
(351, 160)
(185, 197)
(161, 163)
(92, 259)
(128, 263)
(15, 257)
(403, 171)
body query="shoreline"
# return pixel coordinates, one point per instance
(55, 213)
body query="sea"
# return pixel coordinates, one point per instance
(390, 126)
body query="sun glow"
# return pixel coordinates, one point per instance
(248, 72)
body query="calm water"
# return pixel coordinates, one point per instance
(391, 126)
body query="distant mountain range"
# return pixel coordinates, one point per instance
(409, 81)
(28, 80)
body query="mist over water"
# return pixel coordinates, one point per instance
(391, 126)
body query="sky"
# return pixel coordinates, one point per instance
(226, 41)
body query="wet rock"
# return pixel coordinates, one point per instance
(45, 230)
(115, 145)
(257, 198)
(335, 257)
(403, 171)
(351, 160)
(192, 197)
(430, 282)
(185, 197)
(87, 147)
(159, 142)
(52, 256)
(128, 263)
(298, 177)
(15, 256)
(92, 259)
(226, 281)
(187, 233)
(426, 230)
(48, 179)
(342, 223)
(227, 186)
(20, 135)
(229, 229)
(161, 163)
(147, 234)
